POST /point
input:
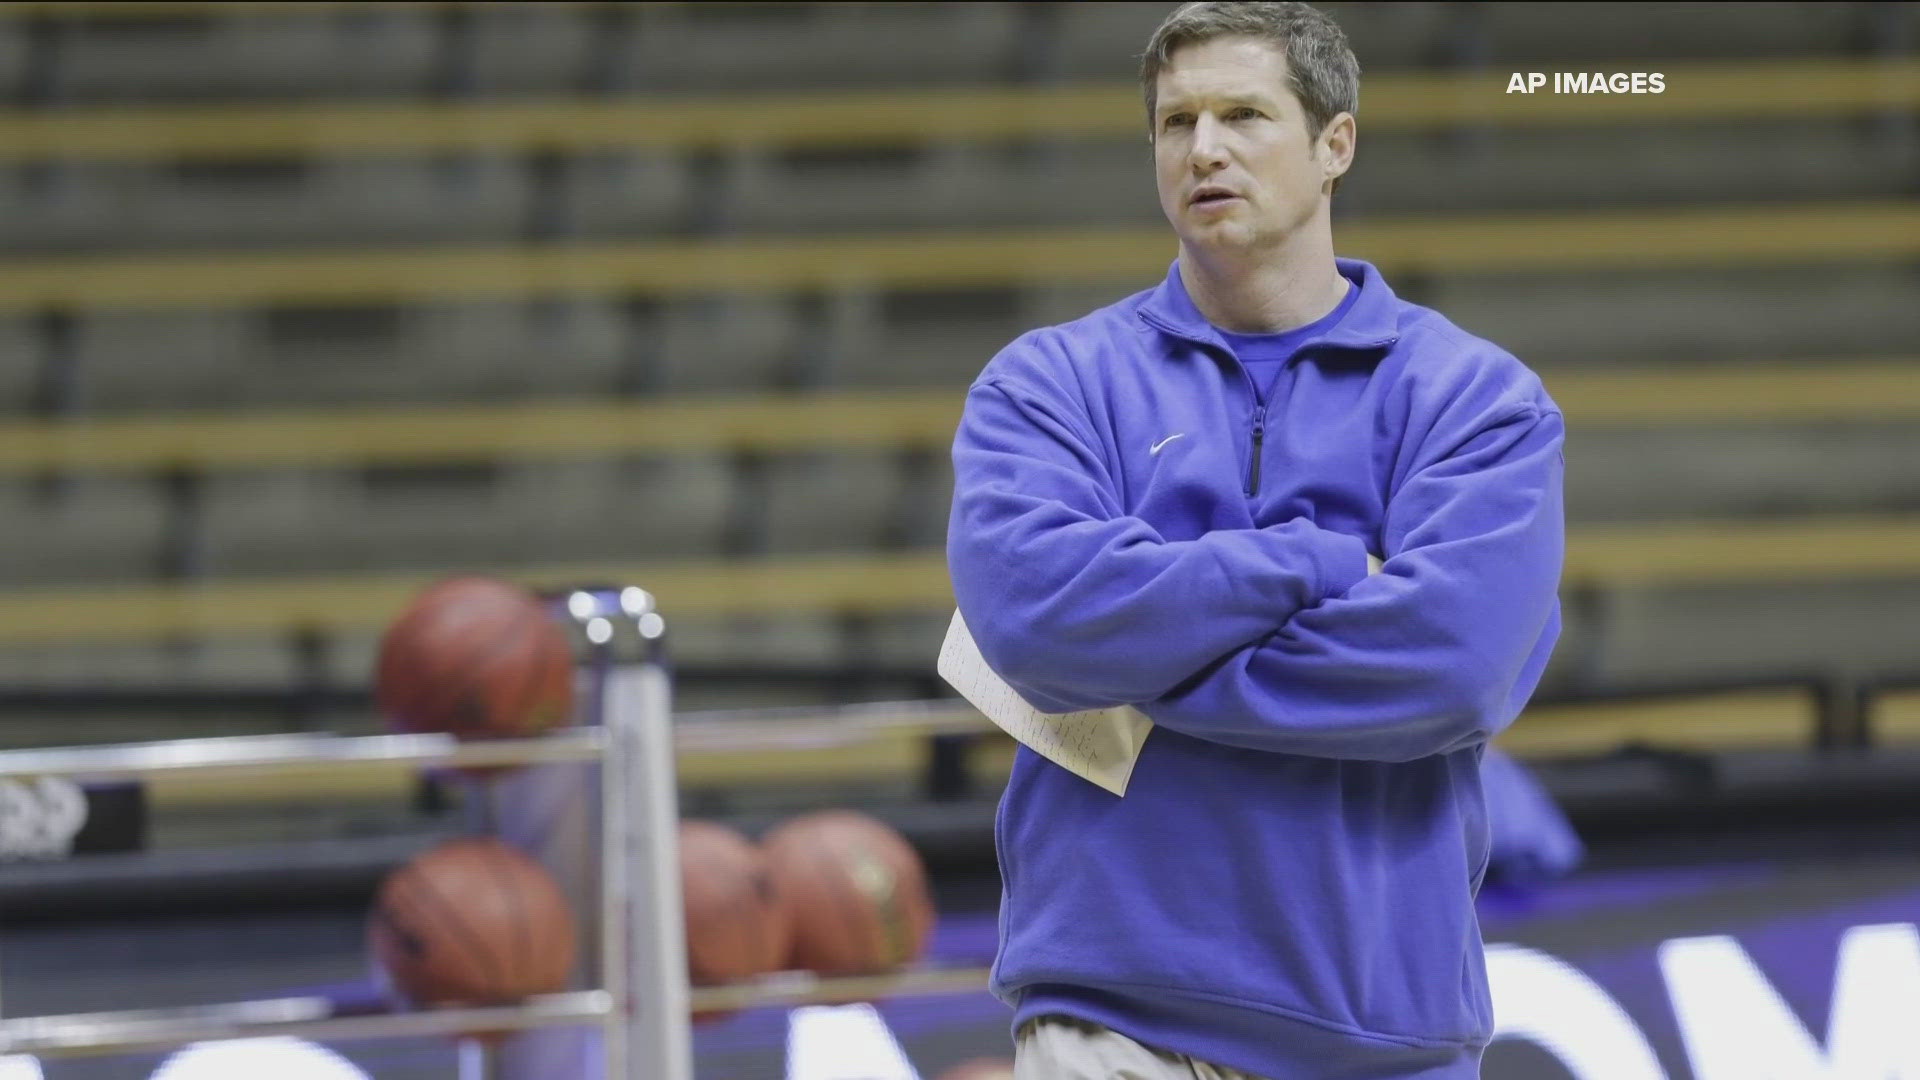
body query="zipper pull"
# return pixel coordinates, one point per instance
(1259, 435)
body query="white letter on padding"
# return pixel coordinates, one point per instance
(1553, 1005)
(1876, 1000)
(1736, 1026)
(843, 1042)
(279, 1056)
(1731, 1018)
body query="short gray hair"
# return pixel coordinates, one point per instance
(1321, 69)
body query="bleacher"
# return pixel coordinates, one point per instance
(301, 305)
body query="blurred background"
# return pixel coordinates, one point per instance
(303, 306)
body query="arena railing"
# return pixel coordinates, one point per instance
(682, 122)
(1681, 742)
(914, 740)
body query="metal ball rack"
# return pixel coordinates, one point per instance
(644, 1002)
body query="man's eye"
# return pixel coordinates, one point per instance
(1179, 120)
(1243, 113)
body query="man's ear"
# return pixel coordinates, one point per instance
(1336, 146)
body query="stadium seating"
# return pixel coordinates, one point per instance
(341, 491)
(1649, 558)
(166, 360)
(257, 174)
(895, 118)
(1895, 714)
(1730, 316)
(1791, 234)
(237, 205)
(91, 528)
(502, 224)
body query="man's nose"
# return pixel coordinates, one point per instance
(1207, 153)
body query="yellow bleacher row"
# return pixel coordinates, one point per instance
(1824, 549)
(1748, 718)
(1801, 392)
(1699, 91)
(1803, 233)
(1708, 721)
(1717, 720)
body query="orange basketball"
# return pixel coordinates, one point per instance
(981, 1069)
(737, 926)
(475, 657)
(857, 890)
(475, 922)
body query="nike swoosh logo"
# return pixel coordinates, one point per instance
(1155, 448)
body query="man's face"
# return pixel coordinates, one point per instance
(1235, 163)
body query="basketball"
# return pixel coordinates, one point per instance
(857, 891)
(980, 1069)
(737, 926)
(472, 921)
(477, 658)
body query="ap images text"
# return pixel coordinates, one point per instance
(1587, 82)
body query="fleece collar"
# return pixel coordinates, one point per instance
(1370, 325)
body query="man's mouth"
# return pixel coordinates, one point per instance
(1211, 197)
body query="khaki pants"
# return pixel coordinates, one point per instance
(1063, 1048)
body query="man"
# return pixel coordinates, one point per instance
(1176, 502)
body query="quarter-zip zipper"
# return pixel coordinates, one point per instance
(1259, 427)
(1184, 329)
(1259, 435)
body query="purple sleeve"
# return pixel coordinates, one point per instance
(1437, 651)
(1078, 605)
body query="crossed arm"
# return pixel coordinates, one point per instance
(1276, 638)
